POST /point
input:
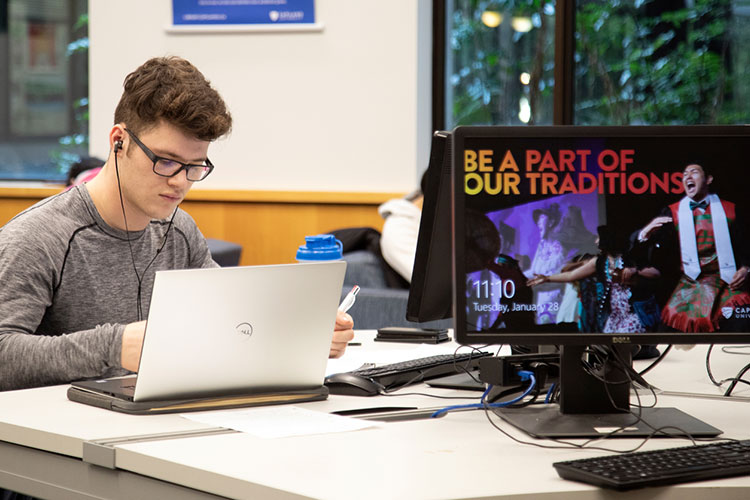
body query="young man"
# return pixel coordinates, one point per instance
(708, 241)
(77, 269)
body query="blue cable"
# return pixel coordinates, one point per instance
(524, 374)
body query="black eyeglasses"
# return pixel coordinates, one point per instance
(166, 167)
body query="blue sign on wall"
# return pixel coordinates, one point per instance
(199, 12)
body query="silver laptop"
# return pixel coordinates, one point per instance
(231, 331)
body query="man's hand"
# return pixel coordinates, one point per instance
(652, 226)
(738, 280)
(132, 342)
(342, 333)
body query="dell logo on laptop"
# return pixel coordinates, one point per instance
(245, 329)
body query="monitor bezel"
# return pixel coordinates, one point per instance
(542, 337)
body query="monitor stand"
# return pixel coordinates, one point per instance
(588, 408)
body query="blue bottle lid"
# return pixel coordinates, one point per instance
(320, 247)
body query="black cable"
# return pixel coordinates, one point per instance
(606, 352)
(682, 431)
(130, 245)
(615, 358)
(602, 354)
(563, 444)
(623, 366)
(528, 402)
(138, 277)
(634, 377)
(737, 379)
(553, 396)
(540, 370)
(390, 390)
(474, 349)
(656, 361)
(708, 366)
(505, 393)
(730, 349)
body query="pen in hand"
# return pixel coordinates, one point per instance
(349, 300)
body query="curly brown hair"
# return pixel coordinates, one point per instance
(172, 89)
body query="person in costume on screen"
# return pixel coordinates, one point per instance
(709, 243)
(77, 269)
(549, 258)
(578, 303)
(483, 259)
(618, 286)
(576, 239)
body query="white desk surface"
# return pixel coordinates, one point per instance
(458, 456)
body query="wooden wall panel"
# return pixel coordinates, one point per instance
(271, 232)
(10, 207)
(269, 226)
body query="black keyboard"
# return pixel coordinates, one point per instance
(661, 467)
(413, 371)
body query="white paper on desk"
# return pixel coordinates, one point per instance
(280, 421)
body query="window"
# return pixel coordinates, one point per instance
(499, 62)
(43, 87)
(593, 62)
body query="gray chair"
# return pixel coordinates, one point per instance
(377, 305)
(224, 253)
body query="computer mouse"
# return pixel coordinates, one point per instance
(352, 385)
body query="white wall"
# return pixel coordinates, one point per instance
(343, 109)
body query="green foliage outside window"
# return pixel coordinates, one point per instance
(636, 62)
(487, 62)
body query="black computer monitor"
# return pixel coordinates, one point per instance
(537, 201)
(430, 292)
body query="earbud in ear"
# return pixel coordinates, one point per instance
(118, 146)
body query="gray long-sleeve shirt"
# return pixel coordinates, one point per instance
(68, 287)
